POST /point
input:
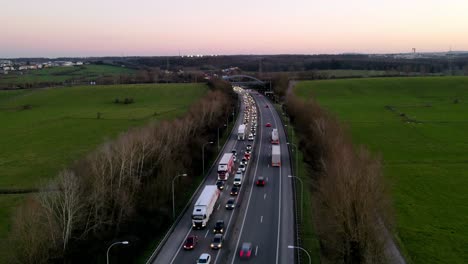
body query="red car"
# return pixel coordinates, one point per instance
(190, 242)
(246, 250)
(268, 125)
(247, 156)
(260, 181)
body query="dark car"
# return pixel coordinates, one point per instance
(190, 242)
(234, 152)
(217, 241)
(219, 227)
(231, 204)
(246, 250)
(260, 181)
(234, 190)
(266, 106)
(248, 147)
(244, 161)
(220, 184)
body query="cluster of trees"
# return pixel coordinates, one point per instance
(121, 190)
(127, 100)
(350, 201)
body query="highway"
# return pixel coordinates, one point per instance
(263, 216)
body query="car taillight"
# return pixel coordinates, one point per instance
(241, 253)
(248, 253)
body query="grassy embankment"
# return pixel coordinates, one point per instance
(419, 126)
(60, 125)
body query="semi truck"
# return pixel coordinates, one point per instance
(274, 136)
(275, 156)
(225, 166)
(204, 206)
(241, 132)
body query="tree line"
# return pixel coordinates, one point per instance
(350, 200)
(122, 190)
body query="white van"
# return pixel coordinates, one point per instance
(238, 179)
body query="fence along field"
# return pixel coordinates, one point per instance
(419, 126)
(44, 130)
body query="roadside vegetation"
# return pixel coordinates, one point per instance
(61, 125)
(119, 191)
(418, 126)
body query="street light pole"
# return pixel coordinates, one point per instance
(310, 259)
(116, 243)
(302, 194)
(173, 201)
(203, 155)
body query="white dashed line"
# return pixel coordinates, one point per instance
(207, 231)
(264, 196)
(256, 250)
(261, 219)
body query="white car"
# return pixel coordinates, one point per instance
(204, 258)
(251, 137)
(242, 167)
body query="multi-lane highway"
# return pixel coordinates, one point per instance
(263, 216)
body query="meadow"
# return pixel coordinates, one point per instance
(46, 130)
(62, 74)
(419, 127)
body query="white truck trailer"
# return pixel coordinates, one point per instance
(275, 156)
(241, 132)
(225, 166)
(204, 206)
(274, 136)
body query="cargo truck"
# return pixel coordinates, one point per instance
(274, 136)
(204, 206)
(225, 166)
(241, 132)
(275, 156)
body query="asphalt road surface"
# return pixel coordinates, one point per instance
(263, 216)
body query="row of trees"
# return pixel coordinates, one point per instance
(350, 201)
(121, 190)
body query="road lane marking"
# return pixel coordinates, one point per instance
(218, 206)
(178, 250)
(256, 250)
(261, 219)
(264, 196)
(207, 231)
(248, 201)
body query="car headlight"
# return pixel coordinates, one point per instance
(212, 245)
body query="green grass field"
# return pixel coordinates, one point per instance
(62, 74)
(421, 133)
(61, 126)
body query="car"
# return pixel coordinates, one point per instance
(244, 161)
(268, 125)
(247, 156)
(219, 227)
(234, 158)
(260, 181)
(220, 184)
(266, 106)
(251, 137)
(246, 250)
(190, 242)
(234, 190)
(217, 241)
(204, 258)
(234, 152)
(254, 133)
(242, 167)
(248, 147)
(231, 204)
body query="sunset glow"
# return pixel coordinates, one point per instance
(53, 28)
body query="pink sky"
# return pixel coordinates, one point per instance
(53, 28)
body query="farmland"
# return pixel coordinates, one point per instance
(45, 130)
(58, 75)
(418, 126)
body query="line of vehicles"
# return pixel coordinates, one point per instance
(207, 201)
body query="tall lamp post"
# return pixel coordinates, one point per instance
(218, 136)
(116, 243)
(203, 155)
(293, 247)
(173, 201)
(302, 193)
